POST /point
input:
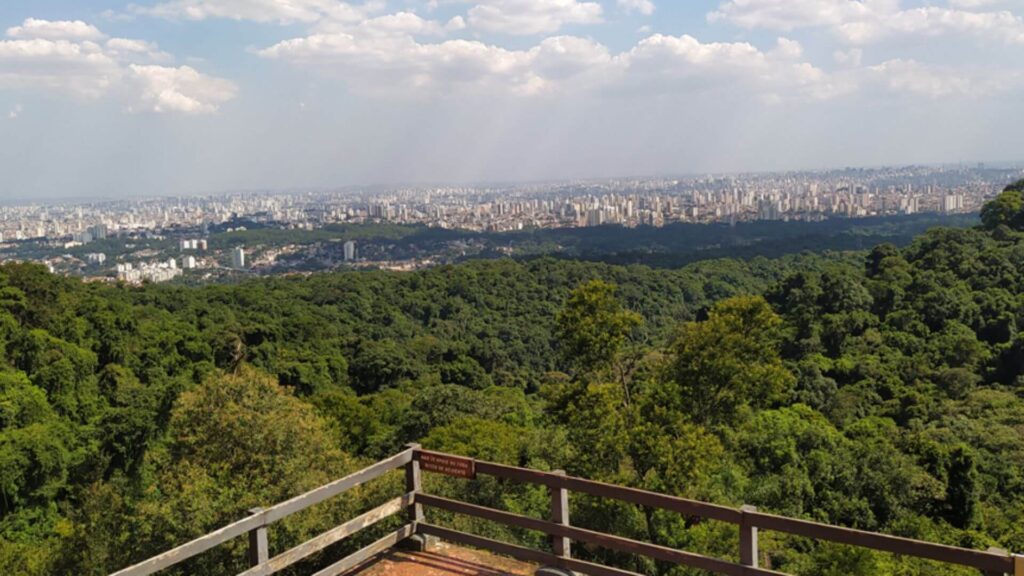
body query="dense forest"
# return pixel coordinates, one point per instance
(879, 389)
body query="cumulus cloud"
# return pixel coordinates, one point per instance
(850, 58)
(402, 66)
(864, 21)
(33, 28)
(932, 21)
(787, 15)
(263, 11)
(71, 58)
(183, 89)
(645, 7)
(130, 49)
(683, 63)
(902, 76)
(529, 17)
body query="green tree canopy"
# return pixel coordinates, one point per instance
(727, 361)
(1006, 210)
(593, 328)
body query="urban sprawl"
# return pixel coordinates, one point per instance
(42, 228)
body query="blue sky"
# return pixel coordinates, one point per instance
(108, 98)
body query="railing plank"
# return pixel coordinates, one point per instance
(192, 548)
(609, 541)
(349, 562)
(985, 561)
(318, 495)
(314, 545)
(683, 506)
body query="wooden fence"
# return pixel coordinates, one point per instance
(558, 526)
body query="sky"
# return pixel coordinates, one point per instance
(106, 98)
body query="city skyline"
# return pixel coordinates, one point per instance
(371, 189)
(164, 97)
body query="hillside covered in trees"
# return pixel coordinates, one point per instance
(880, 389)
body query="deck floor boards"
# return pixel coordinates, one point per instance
(443, 560)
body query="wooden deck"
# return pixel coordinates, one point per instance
(443, 560)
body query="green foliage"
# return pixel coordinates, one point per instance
(1006, 210)
(593, 329)
(879, 389)
(726, 362)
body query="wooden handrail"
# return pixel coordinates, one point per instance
(337, 534)
(988, 562)
(608, 541)
(266, 517)
(558, 526)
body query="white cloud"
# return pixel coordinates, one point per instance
(455, 24)
(265, 11)
(529, 17)
(849, 58)
(165, 89)
(401, 66)
(33, 28)
(972, 3)
(933, 21)
(683, 63)
(909, 77)
(82, 69)
(788, 15)
(863, 22)
(130, 49)
(15, 112)
(399, 23)
(121, 68)
(645, 7)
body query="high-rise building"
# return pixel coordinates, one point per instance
(98, 231)
(952, 203)
(350, 251)
(238, 258)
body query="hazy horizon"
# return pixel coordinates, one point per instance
(114, 99)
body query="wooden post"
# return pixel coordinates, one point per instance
(560, 515)
(561, 547)
(414, 483)
(414, 514)
(259, 549)
(748, 539)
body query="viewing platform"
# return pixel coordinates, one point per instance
(413, 549)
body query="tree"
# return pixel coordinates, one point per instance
(730, 360)
(592, 330)
(962, 488)
(234, 443)
(1006, 209)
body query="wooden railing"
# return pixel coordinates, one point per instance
(257, 523)
(558, 526)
